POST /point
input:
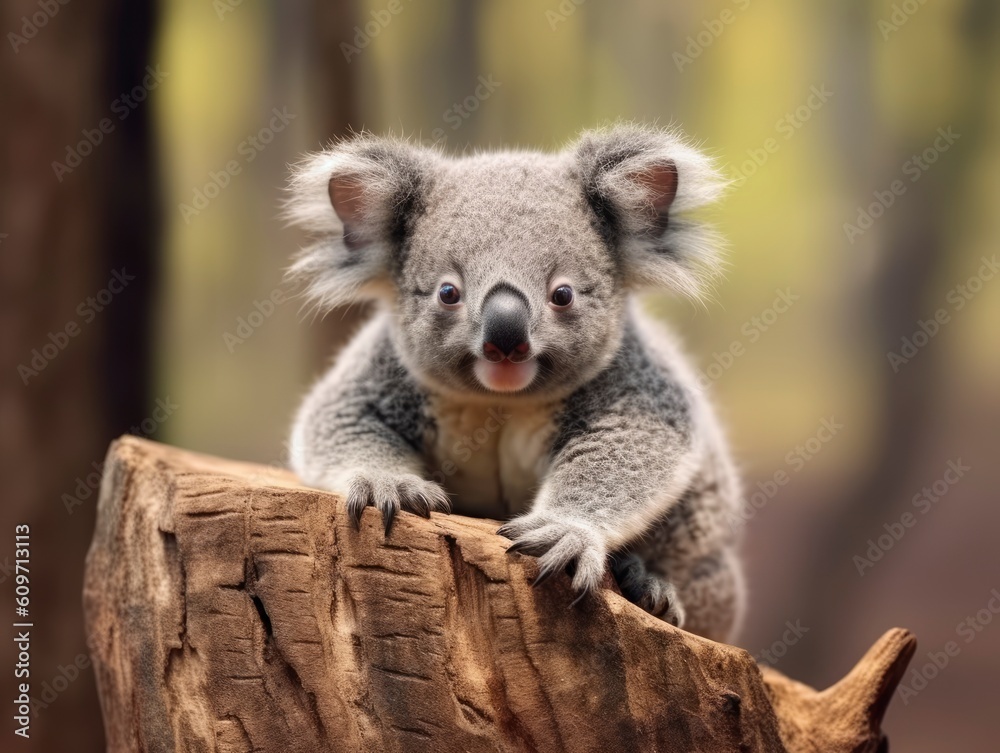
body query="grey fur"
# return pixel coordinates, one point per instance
(604, 434)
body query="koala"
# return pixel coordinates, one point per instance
(509, 371)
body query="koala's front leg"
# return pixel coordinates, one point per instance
(610, 481)
(390, 492)
(359, 432)
(371, 466)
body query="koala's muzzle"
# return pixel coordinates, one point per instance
(506, 317)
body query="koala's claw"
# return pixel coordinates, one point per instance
(392, 493)
(559, 544)
(650, 592)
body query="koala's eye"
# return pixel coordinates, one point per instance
(562, 296)
(449, 295)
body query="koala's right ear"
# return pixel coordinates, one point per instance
(640, 182)
(358, 199)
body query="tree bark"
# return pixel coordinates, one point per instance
(231, 609)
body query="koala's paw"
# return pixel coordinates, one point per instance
(651, 592)
(559, 543)
(391, 493)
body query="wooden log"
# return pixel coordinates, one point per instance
(230, 609)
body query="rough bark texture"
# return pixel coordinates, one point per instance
(230, 609)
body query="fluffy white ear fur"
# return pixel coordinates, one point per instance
(354, 199)
(641, 181)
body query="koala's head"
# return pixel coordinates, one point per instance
(507, 272)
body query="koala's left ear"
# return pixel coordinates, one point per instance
(358, 199)
(639, 182)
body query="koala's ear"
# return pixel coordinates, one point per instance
(347, 199)
(358, 199)
(639, 182)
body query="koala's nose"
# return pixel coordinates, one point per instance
(506, 316)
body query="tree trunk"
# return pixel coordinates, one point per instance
(231, 609)
(74, 366)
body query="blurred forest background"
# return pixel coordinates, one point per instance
(852, 348)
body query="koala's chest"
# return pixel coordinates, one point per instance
(490, 459)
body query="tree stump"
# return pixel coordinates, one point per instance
(231, 609)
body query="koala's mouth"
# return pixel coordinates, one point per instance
(505, 375)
